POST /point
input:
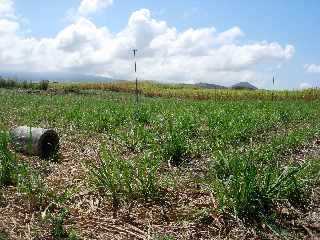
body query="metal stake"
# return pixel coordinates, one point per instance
(273, 89)
(135, 70)
(137, 94)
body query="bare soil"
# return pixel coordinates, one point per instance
(187, 211)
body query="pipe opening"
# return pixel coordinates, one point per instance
(49, 144)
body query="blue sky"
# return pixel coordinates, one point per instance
(251, 53)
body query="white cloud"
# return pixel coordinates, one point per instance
(305, 85)
(6, 8)
(88, 7)
(229, 36)
(8, 27)
(165, 54)
(312, 68)
(81, 35)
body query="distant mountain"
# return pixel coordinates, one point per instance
(244, 85)
(209, 85)
(54, 77)
(241, 85)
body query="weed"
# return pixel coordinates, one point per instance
(125, 179)
(58, 230)
(29, 184)
(44, 85)
(248, 188)
(143, 115)
(58, 222)
(176, 146)
(73, 235)
(4, 235)
(31, 187)
(8, 163)
(63, 198)
(114, 176)
(147, 169)
(2, 199)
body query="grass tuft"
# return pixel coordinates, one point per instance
(249, 189)
(8, 163)
(125, 179)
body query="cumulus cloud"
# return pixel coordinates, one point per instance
(88, 7)
(8, 27)
(312, 68)
(165, 53)
(229, 36)
(8, 20)
(6, 8)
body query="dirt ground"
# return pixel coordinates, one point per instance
(184, 213)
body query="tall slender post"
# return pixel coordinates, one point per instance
(137, 95)
(273, 89)
(135, 71)
(273, 81)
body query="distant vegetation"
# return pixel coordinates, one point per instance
(183, 91)
(152, 89)
(13, 83)
(44, 85)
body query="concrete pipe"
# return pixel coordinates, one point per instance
(35, 141)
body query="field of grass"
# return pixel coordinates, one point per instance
(168, 168)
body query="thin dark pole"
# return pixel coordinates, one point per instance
(135, 70)
(273, 89)
(273, 80)
(137, 94)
